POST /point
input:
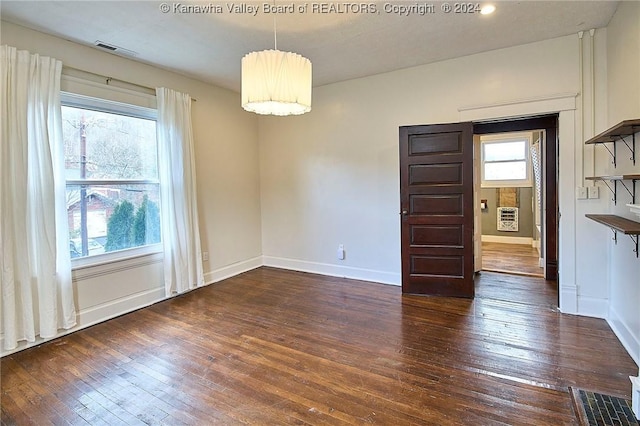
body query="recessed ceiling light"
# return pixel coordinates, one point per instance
(488, 9)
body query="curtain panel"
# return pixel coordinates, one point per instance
(178, 204)
(37, 294)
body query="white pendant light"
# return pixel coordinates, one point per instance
(276, 82)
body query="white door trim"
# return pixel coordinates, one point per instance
(565, 105)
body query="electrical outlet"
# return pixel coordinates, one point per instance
(581, 193)
(205, 255)
(594, 192)
(340, 252)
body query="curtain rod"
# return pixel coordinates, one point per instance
(110, 79)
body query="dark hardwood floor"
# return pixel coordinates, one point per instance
(277, 347)
(518, 259)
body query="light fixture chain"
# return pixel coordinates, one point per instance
(275, 29)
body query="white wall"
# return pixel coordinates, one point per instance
(332, 176)
(227, 172)
(623, 61)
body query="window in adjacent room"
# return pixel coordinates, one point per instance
(111, 164)
(506, 161)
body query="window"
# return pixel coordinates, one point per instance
(111, 165)
(505, 161)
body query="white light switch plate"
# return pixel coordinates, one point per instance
(581, 193)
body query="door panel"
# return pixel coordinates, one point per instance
(436, 236)
(437, 266)
(435, 173)
(435, 144)
(436, 205)
(436, 186)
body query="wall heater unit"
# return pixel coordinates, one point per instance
(508, 219)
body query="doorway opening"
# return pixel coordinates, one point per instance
(509, 169)
(440, 236)
(525, 201)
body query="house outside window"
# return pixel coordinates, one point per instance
(506, 161)
(111, 166)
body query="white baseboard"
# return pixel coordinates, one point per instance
(105, 311)
(600, 308)
(592, 307)
(635, 395)
(333, 270)
(569, 299)
(630, 342)
(97, 314)
(232, 270)
(506, 240)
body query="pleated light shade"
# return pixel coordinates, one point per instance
(276, 83)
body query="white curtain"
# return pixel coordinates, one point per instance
(179, 209)
(37, 297)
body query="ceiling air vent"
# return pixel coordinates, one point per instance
(114, 49)
(105, 46)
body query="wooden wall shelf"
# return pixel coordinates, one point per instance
(617, 133)
(619, 178)
(619, 224)
(620, 130)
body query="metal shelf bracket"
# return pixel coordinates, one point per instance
(612, 152)
(613, 189)
(632, 148)
(634, 238)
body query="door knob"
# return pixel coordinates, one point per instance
(404, 212)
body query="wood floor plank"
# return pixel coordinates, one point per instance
(281, 347)
(520, 259)
(12, 413)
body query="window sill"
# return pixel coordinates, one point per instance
(106, 259)
(512, 184)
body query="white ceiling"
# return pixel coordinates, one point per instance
(341, 46)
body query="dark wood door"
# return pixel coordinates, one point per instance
(436, 197)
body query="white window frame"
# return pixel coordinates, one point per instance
(506, 138)
(113, 107)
